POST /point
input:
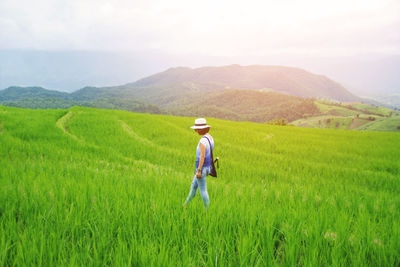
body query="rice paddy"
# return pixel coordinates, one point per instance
(105, 187)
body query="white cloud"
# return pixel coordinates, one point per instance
(220, 28)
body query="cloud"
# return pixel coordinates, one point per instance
(218, 28)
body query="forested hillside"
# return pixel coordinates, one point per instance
(243, 105)
(239, 105)
(37, 97)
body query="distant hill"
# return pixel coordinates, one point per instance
(245, 105)
(242, 93)
(280, 79)
(364, 75)
(171, 86)
(38, 97)
(237, 105)
(16, 93)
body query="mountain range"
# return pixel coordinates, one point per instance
(280, 79)
(367, 75)
(255, 93)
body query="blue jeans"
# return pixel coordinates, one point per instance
(201, 184)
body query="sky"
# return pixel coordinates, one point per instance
(226, 28)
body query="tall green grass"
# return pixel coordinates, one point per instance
(104, 187)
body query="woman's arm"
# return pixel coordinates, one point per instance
(201, 162)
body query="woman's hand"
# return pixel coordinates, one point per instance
(198, 173)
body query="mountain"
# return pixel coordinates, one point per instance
(16, 93)
(38, 97)
(177, 83)
(369, 75)
(280, 79)
(243, 93)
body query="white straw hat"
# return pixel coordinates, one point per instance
(200, 123)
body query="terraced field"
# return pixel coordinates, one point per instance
(105, 187)
(352, 116)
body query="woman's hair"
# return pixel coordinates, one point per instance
(204, 131)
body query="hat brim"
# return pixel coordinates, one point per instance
(200, 127)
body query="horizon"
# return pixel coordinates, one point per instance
(122, 63)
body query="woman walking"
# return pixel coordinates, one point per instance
(203, 161)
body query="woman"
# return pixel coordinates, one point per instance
(203, 161)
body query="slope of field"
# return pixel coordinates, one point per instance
(105, 187)
(359, 116)
(389, 124)
(327, 108)
(372, 109)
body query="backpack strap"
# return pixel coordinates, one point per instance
(211, 149)
(213, 170)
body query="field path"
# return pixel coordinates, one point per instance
(180, 129)
(62, 124)
(134, 135)
(134, 165)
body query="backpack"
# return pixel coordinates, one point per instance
(213, 172)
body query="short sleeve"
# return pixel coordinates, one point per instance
(204, 142)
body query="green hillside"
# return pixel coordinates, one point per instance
(389, 124)
(246, 105)
(14, 93)
(357, 116)
(230, 104)
(92, 187)
(38, 97)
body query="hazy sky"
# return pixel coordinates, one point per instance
(214, 28)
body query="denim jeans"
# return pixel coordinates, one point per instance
(201, 184)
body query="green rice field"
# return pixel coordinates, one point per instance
(92, 187)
